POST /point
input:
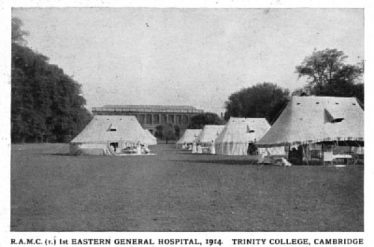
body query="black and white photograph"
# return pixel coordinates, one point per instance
(160, 119)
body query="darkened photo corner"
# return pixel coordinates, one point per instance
(193, 120)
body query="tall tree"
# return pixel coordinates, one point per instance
(198, 121)
(167, 132)
(18, 35)
(264, 100)
(46, 104)
(328, 75)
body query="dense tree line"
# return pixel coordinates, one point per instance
(46, 104)
(263, 100)
(327, 75)
(167, 132)
(198, 121)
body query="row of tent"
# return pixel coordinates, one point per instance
(304, 121)
(230, 139)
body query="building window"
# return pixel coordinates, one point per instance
(149, 119)
(141, 119)
(179, 119)
(156, 119)
(185, 119)
(171, 119)
(163, 118)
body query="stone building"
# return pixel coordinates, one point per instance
(150, 116)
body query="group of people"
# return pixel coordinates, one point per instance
(129, 148)
(198, 148)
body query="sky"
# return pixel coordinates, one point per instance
(197, 57)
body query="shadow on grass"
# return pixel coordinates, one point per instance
(190, 153)
(221, 162)
(242, 162)
(60, 154)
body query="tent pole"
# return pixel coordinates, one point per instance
(288, 152)
(305, 154)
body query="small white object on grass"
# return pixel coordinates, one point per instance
(285, 162)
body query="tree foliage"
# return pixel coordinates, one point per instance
(198, 121)
(328, 75)
(263, 100)
(18, 35)
(46, 104)
(167, 132)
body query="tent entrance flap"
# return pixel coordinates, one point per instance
(333, 116)
(114, 145)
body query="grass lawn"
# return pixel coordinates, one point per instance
(177, 191)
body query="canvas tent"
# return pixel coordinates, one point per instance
(209, 134)
(316, 119)
(103, 131)
(189, 136)
(152, 139)
(238, 133)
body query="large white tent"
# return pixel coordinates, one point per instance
(189, 136)
(312, 119)
(209, 134)
(315, 119)
(103, 131)
(238, 133)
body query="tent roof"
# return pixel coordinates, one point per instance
(243, 130)
(210, 133)
(152, 138)
(104, 129)
(150, 134)
(189, 136)
(316, 119)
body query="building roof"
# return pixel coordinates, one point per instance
(104, 129)
(316, 119)
(147, 108)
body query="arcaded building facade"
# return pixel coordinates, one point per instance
(150, 116)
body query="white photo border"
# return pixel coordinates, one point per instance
(5, 54)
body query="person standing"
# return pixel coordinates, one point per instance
(194, 149)
(212, 148)
(199, 149)
(138, 148)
